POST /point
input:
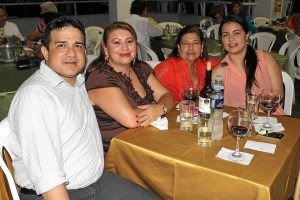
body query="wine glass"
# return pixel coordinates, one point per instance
(239, 124)
(269, 99)
(190, 92)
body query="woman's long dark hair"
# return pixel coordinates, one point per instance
(250, 58)
(185, 30)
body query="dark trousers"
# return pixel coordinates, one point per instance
(109, 187)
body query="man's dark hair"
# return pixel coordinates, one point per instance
(137, 7)
(60, 23)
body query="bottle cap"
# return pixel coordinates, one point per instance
(219, 77)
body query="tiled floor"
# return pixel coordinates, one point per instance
(296, 106)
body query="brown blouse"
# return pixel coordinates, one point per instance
(105, 77)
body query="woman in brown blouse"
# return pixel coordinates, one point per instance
(124, 91)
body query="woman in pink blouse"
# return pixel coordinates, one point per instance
(245, 69)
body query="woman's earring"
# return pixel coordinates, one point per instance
(133, 61)
(106, 58)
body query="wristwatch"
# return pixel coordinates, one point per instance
(165, 109)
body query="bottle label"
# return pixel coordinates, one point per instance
(204, 105)
(217, 103)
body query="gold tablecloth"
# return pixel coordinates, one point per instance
(172, 165)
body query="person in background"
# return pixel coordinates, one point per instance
(54, 133)
(238, 9)
(9, 29)
(187, 63)
(33, 47)
(124, 91)
(143, 27)
(48, 6)
(218, 14)
(38, 34)
(245, 69)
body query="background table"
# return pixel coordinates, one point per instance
(172, 165)
(11, 79)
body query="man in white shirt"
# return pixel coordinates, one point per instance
(143, 27)
(55, 139)
(9, 28)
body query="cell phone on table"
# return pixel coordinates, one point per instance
(271, 135)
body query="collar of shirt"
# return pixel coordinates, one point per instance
(56, 79)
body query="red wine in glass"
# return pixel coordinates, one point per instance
(239, 130)
(269, 99)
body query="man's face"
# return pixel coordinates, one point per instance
(2, 17)
(66, 53)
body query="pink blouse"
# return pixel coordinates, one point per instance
(235, 83)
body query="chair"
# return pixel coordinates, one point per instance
(291, 36)
(163, 24)
(11, 187)
(145, 53)
(94, 37)
(262, 40)
(292, 49)
(203, 23)
(166, 52)
(88, 61)
(261, 21)
(213, 29)
(152, 63)
(288, 92)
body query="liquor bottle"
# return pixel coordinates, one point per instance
(205, 92)
(217, 105)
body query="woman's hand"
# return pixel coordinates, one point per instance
(150, 113)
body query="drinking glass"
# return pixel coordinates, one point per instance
(269, 99)
(239, 123)
(190, 92)
(186, 108)
(252, 100)
(204, 129)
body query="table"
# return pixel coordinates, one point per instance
(172, 165)
(11, 79)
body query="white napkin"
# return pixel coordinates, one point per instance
(223, 154)
(161, 123)
(273, 120)
(260, 146)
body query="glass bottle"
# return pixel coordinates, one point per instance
(205, 92)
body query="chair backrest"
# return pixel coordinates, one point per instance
(291, 36)
(152, 63)
(261, 21)
(4, 134)
(89, 59)
(94, 37)
(292, 50)
(163, 24)
(213, 29)
(166, 52)
(262, 40)
(145, 53)
(203, 23)
(288, 92)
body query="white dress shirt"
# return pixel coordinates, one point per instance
(11, 29)
(144, 29)
(55, 137)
